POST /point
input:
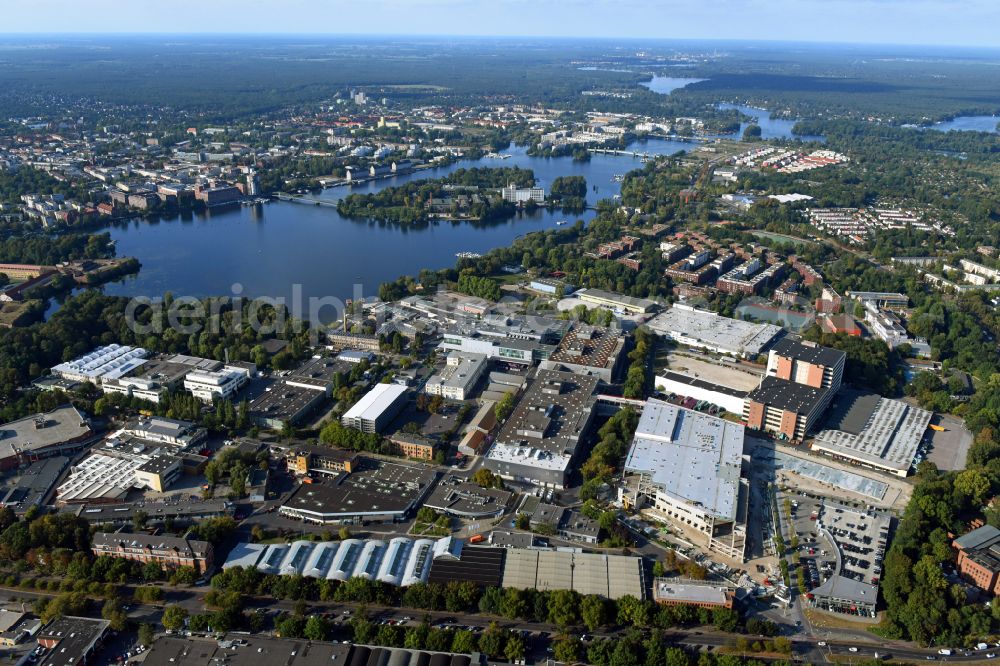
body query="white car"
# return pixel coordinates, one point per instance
(821, 644)
(852, 649)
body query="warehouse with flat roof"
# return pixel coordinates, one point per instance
(376, 492)
(376, 409)
(689, 326)
(610, 576)
(872, 431)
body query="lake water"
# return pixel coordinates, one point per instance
(667, 84)
(269, 249)
(770, 128)
(968, 124)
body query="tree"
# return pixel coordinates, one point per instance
(504, 407)
(463, 642)
(515, 649)
(492, 641)
(593, 611)
(485, 478)
(563, 607)
(173, 617)
(567, 649)
(145, 634)
(316, 628)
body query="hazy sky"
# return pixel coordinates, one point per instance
(960, 22)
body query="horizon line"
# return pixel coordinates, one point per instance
(563, 38)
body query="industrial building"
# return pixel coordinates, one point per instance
(169, 552)
(400, 561)
(541, 439)
(151, 380)
(785, 409)
(34, 484)
(689, 326)
(306, 459)
(376, 409)
(71, 641)
(588, 350)
(286, 402)
(111, 362)
(62, 431)
(403, 561)
(687, 467)
(374, 492)
(872, 431)
(610, 576)
(183, 512)
(459, 377)
(517, 341)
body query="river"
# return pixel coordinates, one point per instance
(268, 249)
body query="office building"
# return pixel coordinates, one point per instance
(306, 459)
(541, 439)
(514, 194)
(376, 409)
(212, 384)
(685, 592)
(459, 377)
(613, 301)
(785, 409)
(808, 363)
(169, 552)
(687, 467)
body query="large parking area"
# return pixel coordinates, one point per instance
(862, 538)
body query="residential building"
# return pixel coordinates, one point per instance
(412, 446)
(978, 558)
(169, 552)
(803, 362)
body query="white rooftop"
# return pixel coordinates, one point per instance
(699, 327)
(376, 401)
(889, 438)
(111, 362)
(691, 456)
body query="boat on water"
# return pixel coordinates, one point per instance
(559, 223)
(617, 178)
(468, 255)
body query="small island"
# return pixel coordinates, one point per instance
(472, 195)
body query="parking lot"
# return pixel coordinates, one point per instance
(862, 538)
